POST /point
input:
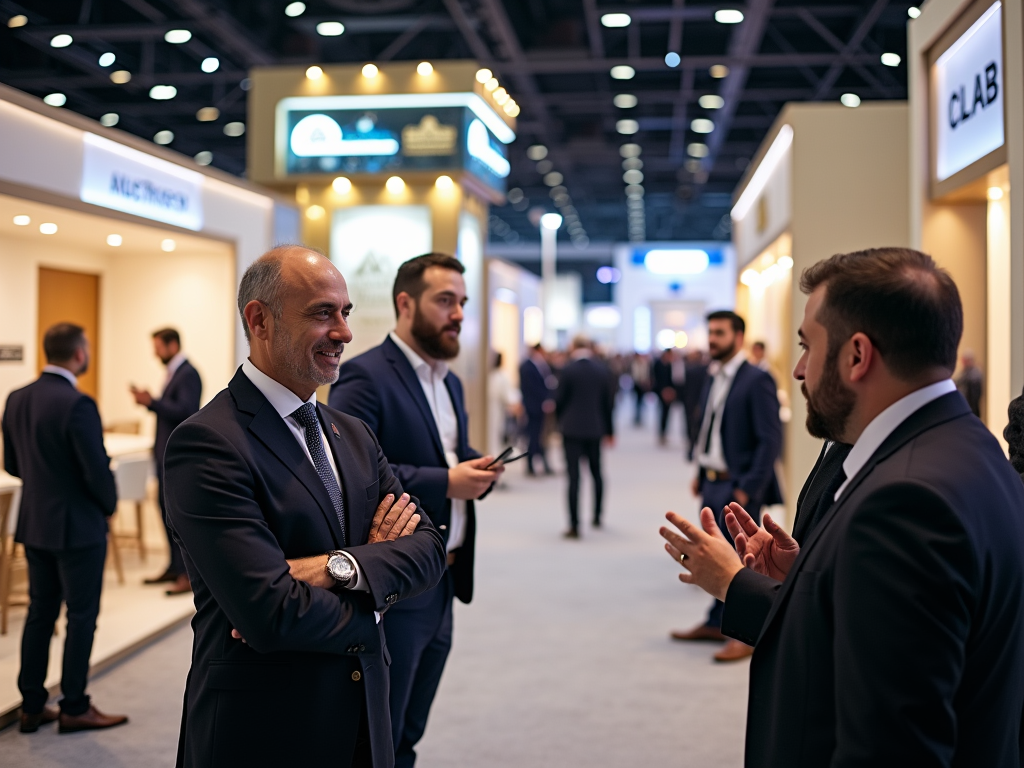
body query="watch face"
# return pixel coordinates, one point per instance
(341, 568)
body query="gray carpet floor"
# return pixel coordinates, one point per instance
(562, 659)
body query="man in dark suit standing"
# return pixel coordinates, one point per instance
(584, 405)
(668, 376)
(693, 390)
(296, 536)
(404, 390)
(53, 441)
(739, 440)
(923, 540)
(534, 383)
(179, 400)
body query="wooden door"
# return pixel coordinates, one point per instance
(71, 297)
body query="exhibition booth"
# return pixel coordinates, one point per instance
(966, 66)
(827, 179)
(389, 162)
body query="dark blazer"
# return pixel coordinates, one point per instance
(896, 638)
(242, 497)
(381, 388)
(585, 400)
(693, 390)
(661, 376)
(751, 432)
(179, 400)
(534, 386)
(53, 441)
(751, 594)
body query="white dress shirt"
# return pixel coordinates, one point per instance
(56, 369)
(885, 423)
(721, 385)
(174, 364)
(286, 402)
(431, 378)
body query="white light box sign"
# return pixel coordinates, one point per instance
(125, 179)
(967, 108)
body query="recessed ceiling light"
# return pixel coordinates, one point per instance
(728, 16)
(210, 64)
(424, 68)
(553, 179)
(627, 127)
(22, 220)
(630, 150)
(672, 59)
(55, 99)
(234, 129)
(891, 59)
(17, 21)
(850, 100)
(622, 72)
(395, 185)
(48, 228)
(109, 120)
(107, 59)
(625, 101)
(163, 92)
(314, 73)
(203, 158)
(483, 75)
(711, 101)
(114, 240)
(342, 185)
(177, 36)
(697, 150)
(616, 20)
(61, 41)
(913, 11)
(491, 84)
(330, 28)
(207, 114)
(702, 125)
(444, 183)
(168, 245)
(633, 177)
(294, 9)
(537, 152)
(120, 76)
(718, 71)
(370, 71)
(164, 137)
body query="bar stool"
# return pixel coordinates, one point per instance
(12, 559)
(131, 473)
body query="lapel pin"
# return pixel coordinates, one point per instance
(335, 430)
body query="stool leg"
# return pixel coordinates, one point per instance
(139, 531)
(115, 554)
(5, 584)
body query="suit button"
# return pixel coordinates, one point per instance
(362, 648)
(357, 676)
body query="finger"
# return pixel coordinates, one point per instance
(735, 529)
(683, 545)
(401, 522)
(410, 527)
(393, 514)
(741, 545)
(686, 578)
(692, 532)
(749, 560)
(382, 509)
(777, 532)
(674, 553)
(710, 524)
(745, 520)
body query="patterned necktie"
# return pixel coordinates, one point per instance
(306, 416)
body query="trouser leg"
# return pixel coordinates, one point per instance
(717, 495)
(594, 461)
(573, 453)
(638, 414)
(44, 590)
(81, 575)
(666, 410)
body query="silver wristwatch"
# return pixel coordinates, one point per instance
(341, 568)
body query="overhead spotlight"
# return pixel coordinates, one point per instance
(553, 179)
(697, 150)
(616, 20)
(424, 68)
(995, 193)
(109, 120)
(537, 152)
(728, 16)
(330, 28)
(55, 99)
(491, 84)
(61, 41)
(850, 100)
(210, 64)
(163, 92)
(444, 183)
(17, 21)
(718, 71)
(114, 240)
(48, 228)
(294, 9)
(891, 59)
(370, 71)
(702, 125)
(120, 76)
(483, 75)
(107, 59)
(395, 185)
(314, 73)
(633, 176)
(672, 59)
(501, 96)
(163, 137)
(551, 220)
(315, 212)
(342, 185)
(234, 129)
(913, 11)
(21, 220)
(177, 36)
(630, 150)
(625, 101)
(711, 101)
(632, 164)
(627, 127)
(203, 158)
(168, 245)
(207, 114)
(622, 72)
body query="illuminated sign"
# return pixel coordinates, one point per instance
(967, 108)
(478, 144)
(321, 136)
(682, 262)
(125, 179)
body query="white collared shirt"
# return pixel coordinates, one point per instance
(721, 385)
(431, 378)
(172, 367)
(885, 423)
(64, 372)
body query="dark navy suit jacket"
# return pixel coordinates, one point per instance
(179, 400)
(751, 432)
(534, 387)
(381, 388)
(53, 441)
(241, 497)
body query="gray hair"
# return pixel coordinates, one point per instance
(261, 282)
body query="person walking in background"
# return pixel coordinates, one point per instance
(640, 372)
(297, 536)
(179, 399)
(53, 441)
(971, 382)
(758, 356)
(584, 404)
(668, 375)
(739, 440)
(693, 389)
(404, 390)
(535, 384)
(504, 402)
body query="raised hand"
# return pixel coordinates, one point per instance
(392, 521)
(768, 550)
(469, 479)
(709, 559)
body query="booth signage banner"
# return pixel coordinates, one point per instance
(967, 108)
(124, 179)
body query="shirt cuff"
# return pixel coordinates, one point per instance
(361, 585)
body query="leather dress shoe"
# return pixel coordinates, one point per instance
(702, 632)
(572, 533)
(734, 650)
(31, 723)
(164, 578)
(90, 720)
(181, 586)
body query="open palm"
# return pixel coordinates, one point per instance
(768, 550)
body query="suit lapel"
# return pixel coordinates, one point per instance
(407, 376)
(938, 411)
(270, 429)
(460, 415)
(355, 519)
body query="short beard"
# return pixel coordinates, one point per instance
(432, 340)
(830, 405)
(300, 365)
(724, 353)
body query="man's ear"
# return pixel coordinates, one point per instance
(860, 353)
(258, 319)
(405, 303)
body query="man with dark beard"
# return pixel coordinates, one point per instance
(896, 636)
(739, 440)
(404, 390)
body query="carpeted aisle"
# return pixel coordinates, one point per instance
(563, 659)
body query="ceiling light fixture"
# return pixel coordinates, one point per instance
(850, 100)
(702, 125)
(177, 36)
(163, 92)
(483, 75)
(625, 101)
(711, 101)
(551, 220)
(424, 68)
(107, 59)
(203, 158)
(55, 99)
(622, 72)
(330, 28)
(210, 64)
(718, 71)
(314, 73)
(48, 228)
(120, 76)
(630, 150)
(207, 114)
(370, 71)
(234, 129)
(627, 127)
(342, 185)
(728, 16)
(913, 11)
(395, 185)
(672, 59)
(22, 220)
(109, 120)
(168, 245)
(17, 21)
(294, 9)
(114, 240)
(614, 20)
(537, 152)
(61, 41)
(891, 59)
(444, 183)
(697, 149)
(164, 137)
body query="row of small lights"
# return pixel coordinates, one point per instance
(395, 185)
(633, 177)
(558, 193)
(167, 245)
(760, 279)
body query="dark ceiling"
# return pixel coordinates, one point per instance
(554, 56)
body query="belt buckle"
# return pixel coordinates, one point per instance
(711, 475)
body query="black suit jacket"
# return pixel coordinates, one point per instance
(241, 498)
(179, 400)
(751, 594)
(534, 386)
(896, 638)
(53, 441)
(381, 388)
(585, 400)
